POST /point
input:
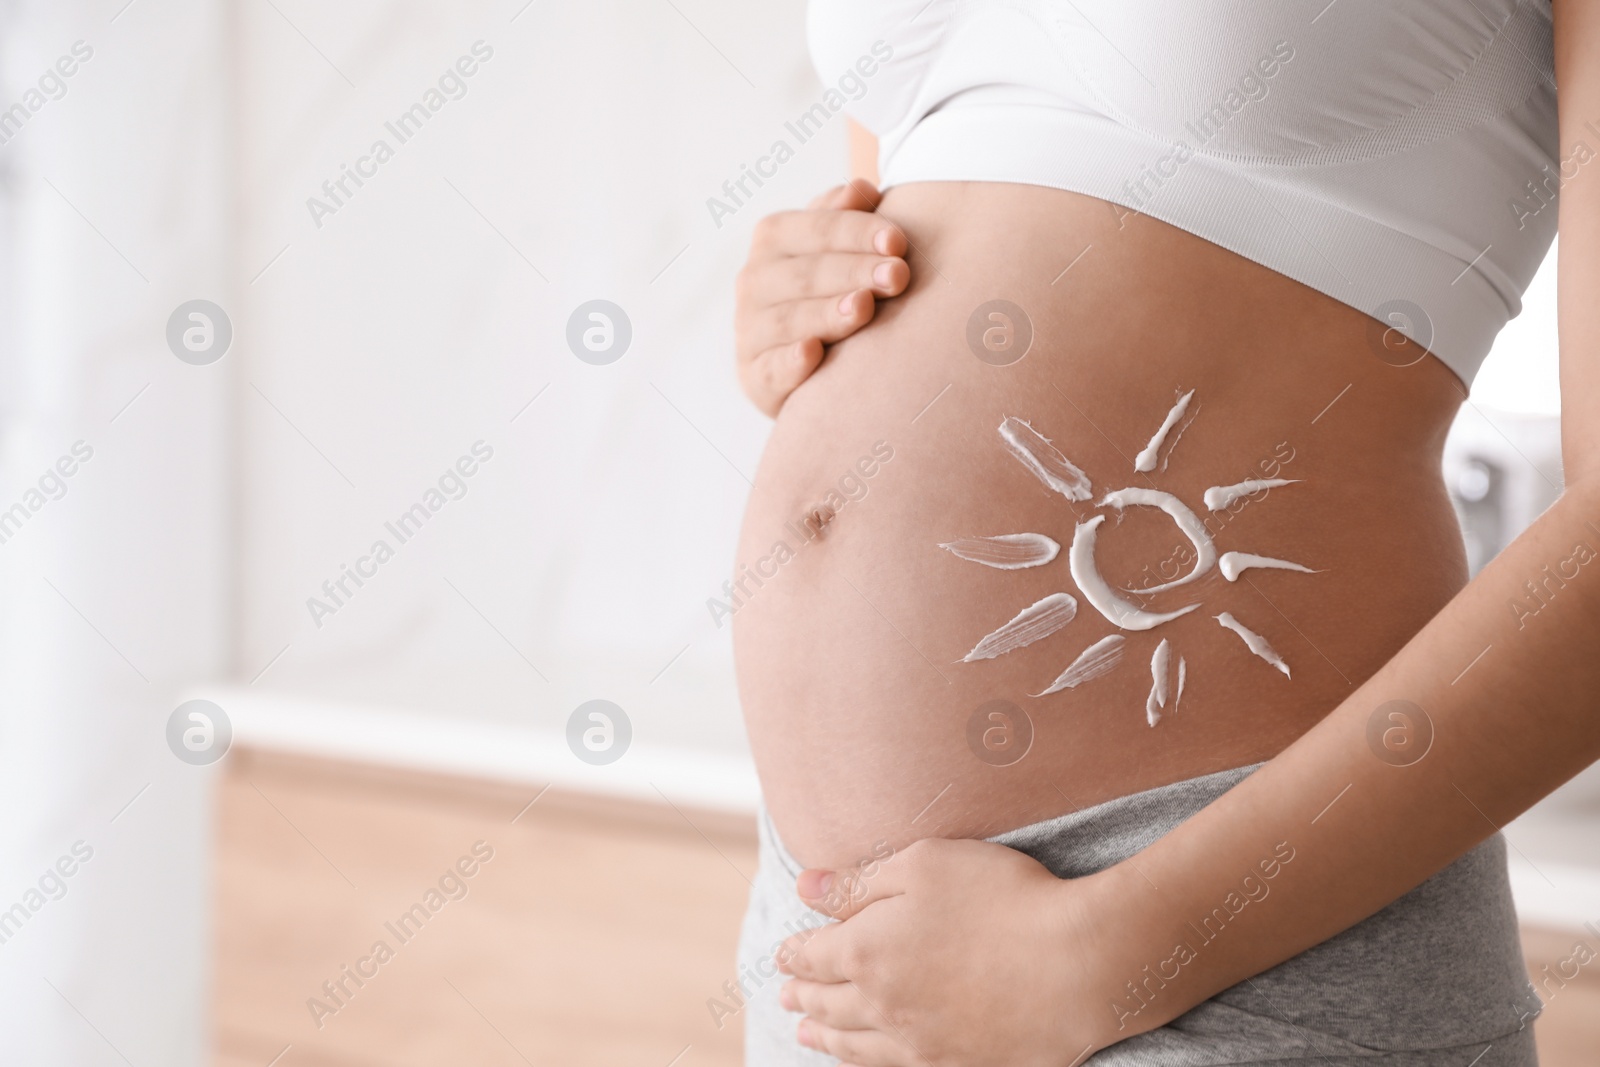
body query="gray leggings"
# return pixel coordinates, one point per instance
(1436, 979)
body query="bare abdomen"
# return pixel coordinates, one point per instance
(868, 712)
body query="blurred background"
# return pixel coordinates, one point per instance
(241, 345)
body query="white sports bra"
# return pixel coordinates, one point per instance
(1400, 156)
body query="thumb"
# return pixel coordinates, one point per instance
(841, 894)
(814, 883)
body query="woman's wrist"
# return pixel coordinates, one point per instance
(1113, 941)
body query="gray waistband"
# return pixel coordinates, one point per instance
(1438, 971)
(1090, 839)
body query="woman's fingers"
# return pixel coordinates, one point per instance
(775, 281)
(800, 233)
(836, 1004)
(845, 894)
(811, 279)
(825, 318)
(777, 348)
(826, 954)
(848, 314)
(772, 375)
(869, 1048)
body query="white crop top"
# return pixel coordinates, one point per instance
(1396, 155)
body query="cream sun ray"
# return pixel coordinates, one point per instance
(1099, 658)
(1183, 428)
(1046, 462)
(1145, 461)
(1234, 564)
(1039, 619)
(1220, 496)
(1157, 699)
(1007, 552)
(1253, 641)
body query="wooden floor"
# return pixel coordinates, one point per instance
(1569, 1030)
(595, 934)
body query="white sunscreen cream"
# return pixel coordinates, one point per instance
(1008, 552)
(1253, 641)
(1188, 522)
(1146, 460)
(1099, 658)
(1044, 459)
(1220, 496)
(1037, 620)
(1158, 683)
(1098, 592)
(1233, 564)
(1183, 666)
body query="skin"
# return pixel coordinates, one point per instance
(812, 278)
(891, 614)
(956, 951)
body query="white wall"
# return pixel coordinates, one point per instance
(112, 597)
(1520, 376)
(427, 312)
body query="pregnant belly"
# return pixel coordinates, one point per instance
(910, 667)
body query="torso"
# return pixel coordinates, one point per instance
(849, 654)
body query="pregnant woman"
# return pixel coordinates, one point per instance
(1103, 626)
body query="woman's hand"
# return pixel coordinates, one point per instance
(953, 952)
(811, 279)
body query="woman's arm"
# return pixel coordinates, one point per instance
(1365, 829)
(1502, 695)
(1508, 682)
(1507, 728)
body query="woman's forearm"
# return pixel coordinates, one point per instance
(1490, 707)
